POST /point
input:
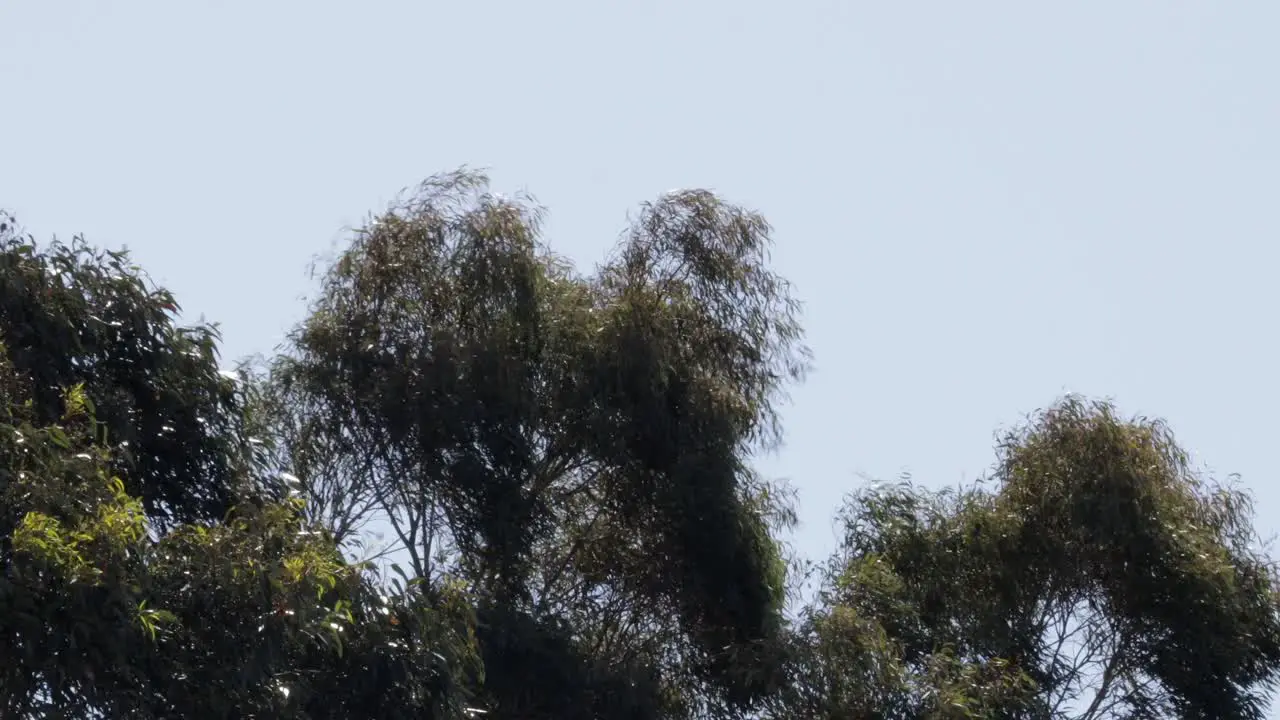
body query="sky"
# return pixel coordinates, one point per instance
(983, 205)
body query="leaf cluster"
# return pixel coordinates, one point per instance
(108, 610)
(74, 315)
(575, 447)
(1092, 575)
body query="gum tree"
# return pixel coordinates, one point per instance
(574, 448)
(115, 426)
(1094, 576)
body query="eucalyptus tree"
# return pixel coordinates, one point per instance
(1095, 575)
(574, 447)
(147, 568)
(75, 314)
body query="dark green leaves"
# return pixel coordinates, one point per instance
(571, 446)
(562, 463)
(114, 426)
(74, 315)
(1094, 576)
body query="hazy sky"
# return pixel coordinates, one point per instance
(982, 204)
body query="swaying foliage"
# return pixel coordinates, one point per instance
(102, 614)
(257, 615)
(73, 314)
(1095, 576)
(575, 448)
(563, 460)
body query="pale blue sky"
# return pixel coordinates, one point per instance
(983, 204)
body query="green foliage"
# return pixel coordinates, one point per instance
(102, 614)
(258, 615)
(541, 667)
(1094, 576)
(574, 447)
(73, 316)
(564, 460)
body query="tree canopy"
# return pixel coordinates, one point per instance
(574, 448)
(111, 607)
(73, 314)
(1093, 575)
(563, 462)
